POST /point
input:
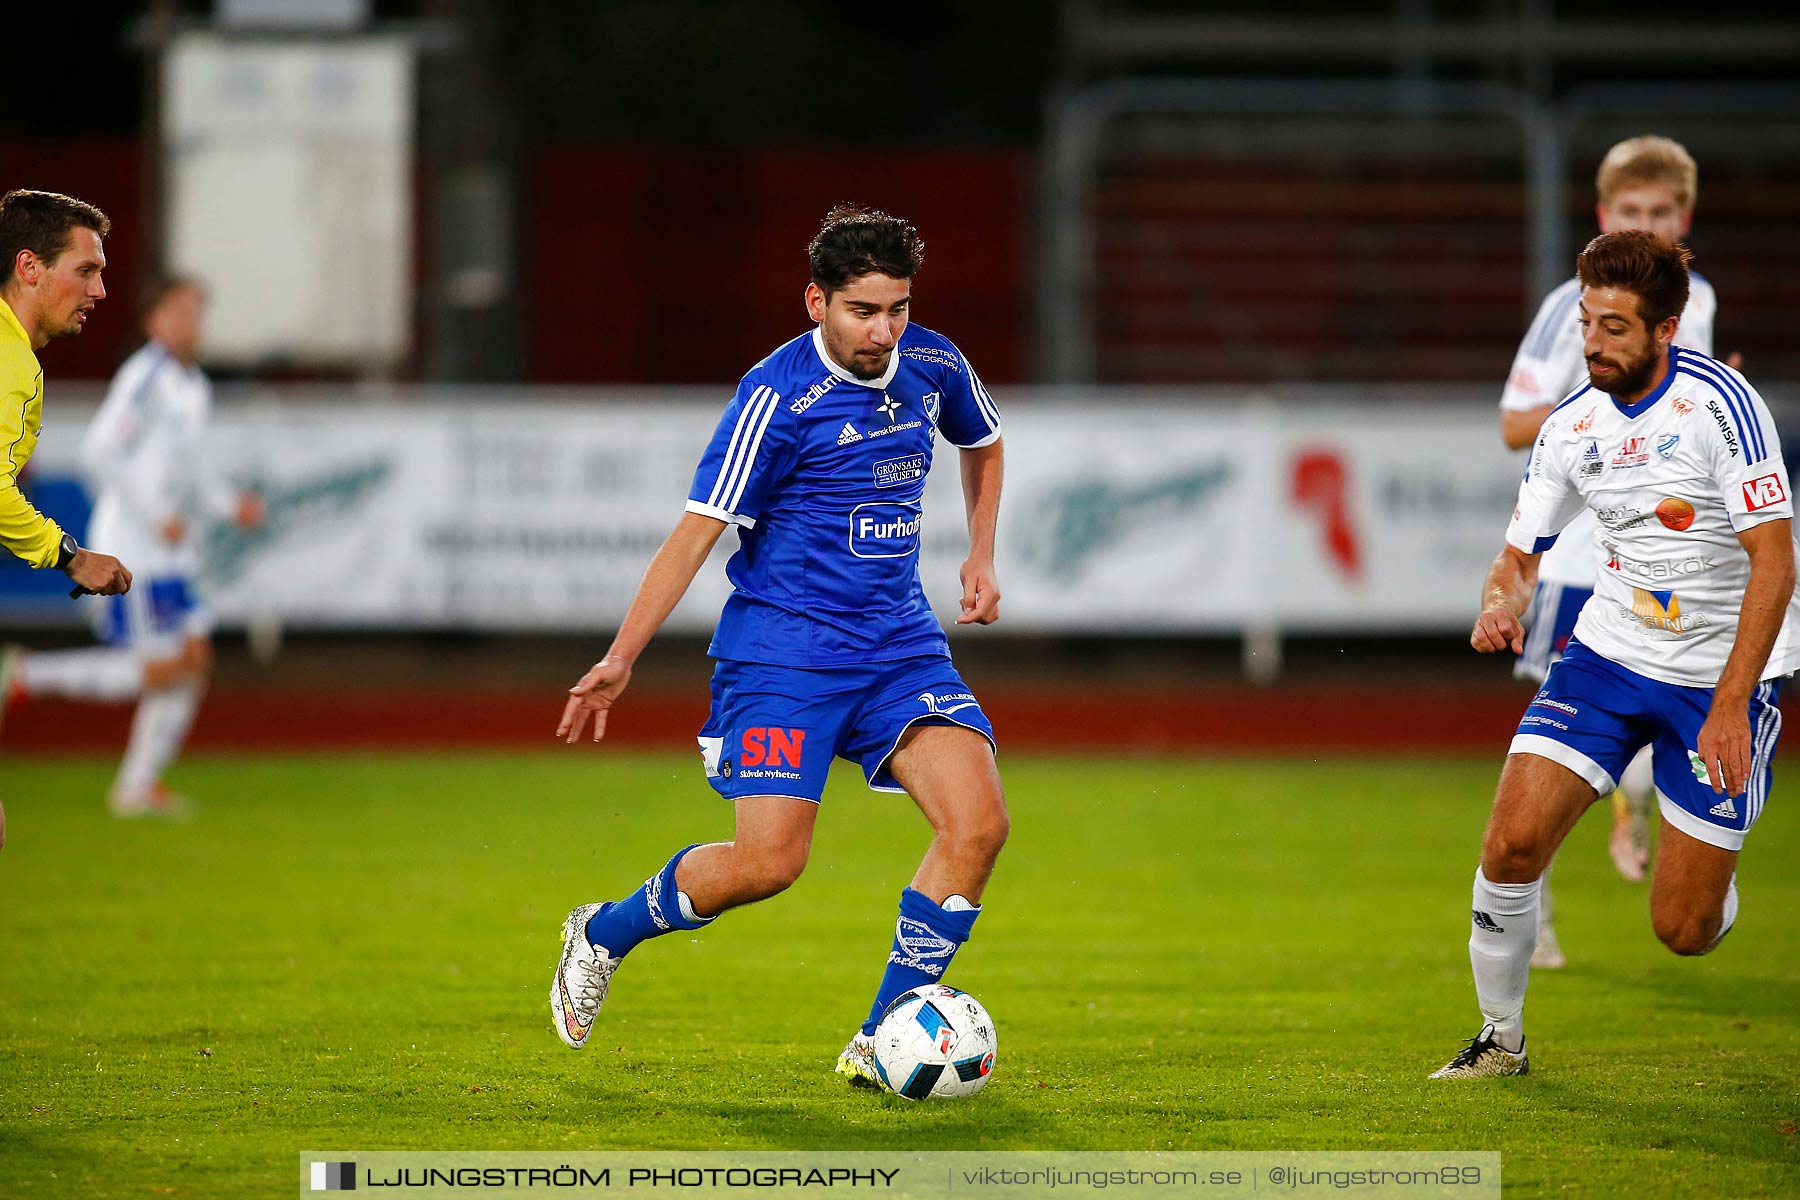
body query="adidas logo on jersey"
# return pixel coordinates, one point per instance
(848, 435)
(1724, 808)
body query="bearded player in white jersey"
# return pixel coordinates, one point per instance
(144, 454)
(1647, 183)
(1691, 624)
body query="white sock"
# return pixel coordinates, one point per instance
(157, 731)
(97, 673)
(1546, 914)
(1638, 782)
(1731, 911)
(1504, 924)
(687, 909)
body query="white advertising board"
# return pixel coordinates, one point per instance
(288, 168)
(524, 514)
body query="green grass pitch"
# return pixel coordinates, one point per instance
(1201, 954)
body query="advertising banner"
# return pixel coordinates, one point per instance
(527, 514)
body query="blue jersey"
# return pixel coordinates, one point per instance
(824, 474)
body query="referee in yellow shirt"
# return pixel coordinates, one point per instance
(50, 265)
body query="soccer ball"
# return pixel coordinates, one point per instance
(935, 1042)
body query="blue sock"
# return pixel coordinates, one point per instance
(651, 911)
(925, 940)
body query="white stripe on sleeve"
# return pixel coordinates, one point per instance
(743, 479)
(728, 468)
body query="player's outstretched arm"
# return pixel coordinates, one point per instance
(1724, 741)
(1519, 427)
(982, 471)
(1503, 600)
(666, 580)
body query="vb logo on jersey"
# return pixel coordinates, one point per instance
(1764, 493)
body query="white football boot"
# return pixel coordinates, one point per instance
(578, 988)
(1547, 954)
(1484, 1058)
(153, 801)
(857, 1062)
(1629, 843)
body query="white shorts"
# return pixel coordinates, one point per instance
(154, 618)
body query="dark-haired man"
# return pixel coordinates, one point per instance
(826, 647)
(52, 259)
(1691, 623)
(144, 458)
(1643, 183)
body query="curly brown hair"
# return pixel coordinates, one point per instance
(1635, 261)
(855, 241)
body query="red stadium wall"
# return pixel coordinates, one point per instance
(652, 265)
(658, 265)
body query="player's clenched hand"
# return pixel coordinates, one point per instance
(1497, 629)
(592, 697)
(981, 594)
(1724, 746)
(99, 574)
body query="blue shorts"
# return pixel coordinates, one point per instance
(154, 618)
(1593, 715)
(1554, 607)
(774, 731)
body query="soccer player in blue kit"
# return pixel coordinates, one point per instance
(826, 647)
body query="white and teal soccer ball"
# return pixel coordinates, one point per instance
(935, 1042)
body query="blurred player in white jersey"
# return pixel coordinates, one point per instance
(1691, 626)
(1646, 183)
(143, 454)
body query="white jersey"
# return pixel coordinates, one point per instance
(142, 456)
(1672, 480)
(1550, 364)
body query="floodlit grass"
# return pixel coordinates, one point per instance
(354, 953)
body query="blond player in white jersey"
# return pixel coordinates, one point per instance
(144, 455)
(1691, 623)
(1647, 183)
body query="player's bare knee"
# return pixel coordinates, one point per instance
(197, 659)
(992, 833)
(978, 830)
(1512, 856)
(1687, 933)
(771, 870)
